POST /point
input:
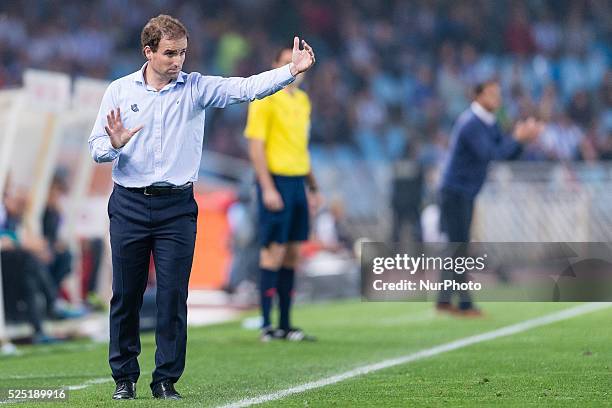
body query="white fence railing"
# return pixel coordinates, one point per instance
(545, 202)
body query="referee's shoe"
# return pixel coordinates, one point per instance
(294, 334)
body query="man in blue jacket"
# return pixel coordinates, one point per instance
(476, 140)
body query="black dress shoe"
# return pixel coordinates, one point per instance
(125, 390)
(165, 390)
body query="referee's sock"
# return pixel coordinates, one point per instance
(267, 289)
(286, 279)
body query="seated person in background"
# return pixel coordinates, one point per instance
(329, 230)
(24, 279)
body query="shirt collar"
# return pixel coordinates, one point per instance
(483, 114)
(139, 75)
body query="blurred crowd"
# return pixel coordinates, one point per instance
(391, 76)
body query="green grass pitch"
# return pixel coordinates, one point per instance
(567, 363)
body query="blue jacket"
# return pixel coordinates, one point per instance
(474, 144)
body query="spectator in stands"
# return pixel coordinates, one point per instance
(394, 47)
(604, 120)
(563, 140)
(580, 109)
(518, 33)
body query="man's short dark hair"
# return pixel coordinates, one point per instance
(279, 53)
(162, 26)
(481, 86)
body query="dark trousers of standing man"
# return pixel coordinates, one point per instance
(141, 224)
(456, 219)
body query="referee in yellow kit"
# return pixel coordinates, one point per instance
(278, 132)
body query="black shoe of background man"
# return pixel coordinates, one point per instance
(165, 390)
(294, 334)
(125, 390)
(445, 307)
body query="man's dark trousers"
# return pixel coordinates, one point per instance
(164, 225)
(456, 211)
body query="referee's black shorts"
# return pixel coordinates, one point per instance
(291, 224)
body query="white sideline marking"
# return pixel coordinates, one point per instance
(88, 383)
(419, 355)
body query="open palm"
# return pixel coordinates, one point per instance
(118, 134)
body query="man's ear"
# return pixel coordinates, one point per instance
(147, 51)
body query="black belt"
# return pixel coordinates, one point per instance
(160, 190)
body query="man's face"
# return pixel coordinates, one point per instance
(490, 98)
(168, 60)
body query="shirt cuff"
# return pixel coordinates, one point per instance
(113, 153)
(287, 74)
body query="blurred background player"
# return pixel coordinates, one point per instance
(477, 139)
(278, 132)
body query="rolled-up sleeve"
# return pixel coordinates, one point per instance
(100, 146)
(218, 92)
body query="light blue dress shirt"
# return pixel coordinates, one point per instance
(168, 149)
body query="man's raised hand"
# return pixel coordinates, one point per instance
(528, 130)
(301, 60)
(119, 135)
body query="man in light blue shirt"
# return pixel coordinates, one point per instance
(151, 127)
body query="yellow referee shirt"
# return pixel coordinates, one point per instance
(282, 121)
